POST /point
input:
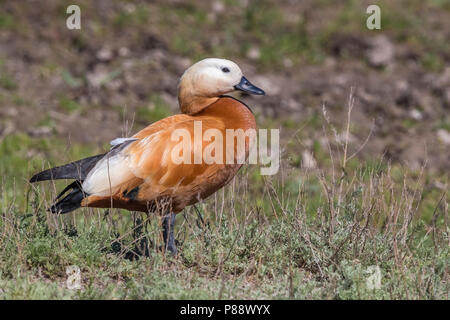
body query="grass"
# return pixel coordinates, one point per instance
(303, 234)
(6, 21)
(68, 105)
(6, 79)
(245, 251)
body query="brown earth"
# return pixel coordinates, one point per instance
(77, 84)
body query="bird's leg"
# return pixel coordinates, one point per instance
(168, 236)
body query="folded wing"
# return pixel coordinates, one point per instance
(148, 162)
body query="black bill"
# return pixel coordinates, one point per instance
(246, 86)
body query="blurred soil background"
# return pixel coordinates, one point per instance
(125, 62)
(311, 231)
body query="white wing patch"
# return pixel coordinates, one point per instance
(118, 141)
(117, 168)
(107, 175)
(110, 172)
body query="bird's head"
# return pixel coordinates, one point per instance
(205, 81)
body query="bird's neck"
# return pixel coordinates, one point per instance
(232, 112)
(190, 101)
(194, 104)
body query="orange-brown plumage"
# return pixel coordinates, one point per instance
(178, 184)
(140, 173)
(143, 173)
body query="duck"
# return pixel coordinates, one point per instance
(140, 173)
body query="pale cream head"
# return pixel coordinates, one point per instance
(205, 81)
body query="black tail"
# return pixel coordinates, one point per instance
(71, 201)
(76, 170)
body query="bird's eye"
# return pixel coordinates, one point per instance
(225, 69)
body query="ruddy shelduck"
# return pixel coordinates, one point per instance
(140, 174)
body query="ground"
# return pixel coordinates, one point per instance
(312, 231)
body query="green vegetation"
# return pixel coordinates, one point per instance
(305, 233)
(156, 110)
(299, 235)
(6, 80)
(278, 249)
(266, 25)
(6, 20)
(68, 105)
